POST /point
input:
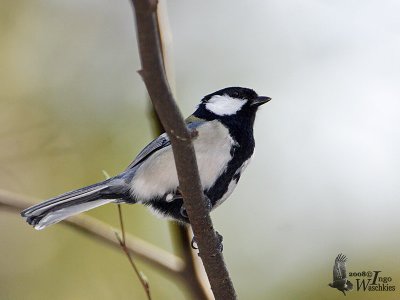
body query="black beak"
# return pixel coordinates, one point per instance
(260, 101)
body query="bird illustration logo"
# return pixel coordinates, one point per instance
(340, 281)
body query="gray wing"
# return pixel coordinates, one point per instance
(339, 268)
(159, 143)
(156, 145)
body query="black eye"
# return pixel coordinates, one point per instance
(235, 94)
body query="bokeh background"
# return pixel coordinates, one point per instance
(325, 178)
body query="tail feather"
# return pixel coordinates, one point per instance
(71, 203)
(56, 216)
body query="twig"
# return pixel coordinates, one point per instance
(142, 278)
(121, 222)
(197, 279)
(177, 270)
(156, 83)
(122, 241)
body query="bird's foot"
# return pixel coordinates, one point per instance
(183, 212)
(208, 203)
(193, 243)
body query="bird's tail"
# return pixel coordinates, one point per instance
(71, 203)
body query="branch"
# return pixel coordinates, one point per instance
(189, 181)
(177, 269)
(196, 278)
(122, 241)
(162, 260)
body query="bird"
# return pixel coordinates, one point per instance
(224, 144)
(340, 281)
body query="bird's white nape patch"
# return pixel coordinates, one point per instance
(224, 105)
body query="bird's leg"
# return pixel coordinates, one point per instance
(344, 293)
(177, 194)
(193, 243)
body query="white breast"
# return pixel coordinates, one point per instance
(157, 175)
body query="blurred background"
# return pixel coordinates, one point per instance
(325, 177)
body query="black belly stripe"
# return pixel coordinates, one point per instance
(242, 133)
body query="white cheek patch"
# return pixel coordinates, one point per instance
(224, 105)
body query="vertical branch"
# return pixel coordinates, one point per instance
(193, 273)
(154, 77)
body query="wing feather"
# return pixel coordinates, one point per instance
(159, 143)
(339, 268)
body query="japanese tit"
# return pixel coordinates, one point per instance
(224, 145)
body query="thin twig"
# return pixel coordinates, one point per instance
(154, 77)
(121, 222)
(142, 278)
(122, 241)
(197, 279)
(176, 269)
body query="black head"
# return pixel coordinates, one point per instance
(231, 102)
